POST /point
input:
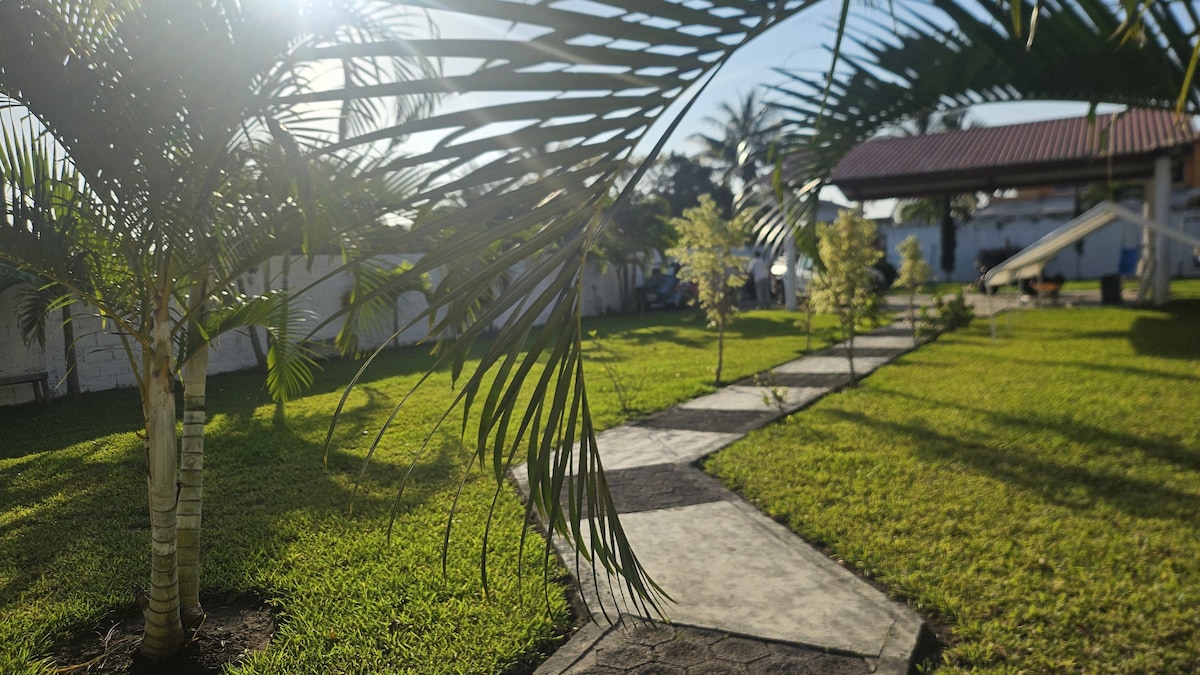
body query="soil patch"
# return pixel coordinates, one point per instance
(236, 625)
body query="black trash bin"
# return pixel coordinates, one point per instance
(1110, 289)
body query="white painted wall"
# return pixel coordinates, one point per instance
(1021, 225)
(103, 364)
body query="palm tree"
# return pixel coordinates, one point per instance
(741, 146)
(159, 113)
(171, 118)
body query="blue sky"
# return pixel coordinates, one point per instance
(802, 43)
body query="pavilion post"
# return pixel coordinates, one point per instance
(1154, 271)
(1162, 216)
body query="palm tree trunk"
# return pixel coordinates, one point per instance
(69, 355)
(164, 631)
(191, 484)
(284, 315)
(809, 309)
(949, 238)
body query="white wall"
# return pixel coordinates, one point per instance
(103, 364)
(1009, 226)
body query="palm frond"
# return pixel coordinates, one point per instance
(535, 177)
(518, 164)
(972, 53)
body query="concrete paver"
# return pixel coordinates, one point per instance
(629, 446)
(730, 568)
(868, 341)
(743, 397)
(749, 596)
(832, 364)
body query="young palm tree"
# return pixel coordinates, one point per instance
(162, 111)
(150, 220)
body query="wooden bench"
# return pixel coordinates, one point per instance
(40, 382)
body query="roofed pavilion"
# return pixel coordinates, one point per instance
(1152, 145)
(984, 159)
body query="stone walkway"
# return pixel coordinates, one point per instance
(750, 596)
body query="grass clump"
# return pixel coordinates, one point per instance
(1040, 494)
(74, 533)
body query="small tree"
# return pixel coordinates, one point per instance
(706, 243)
(914, 273)
(847, 249)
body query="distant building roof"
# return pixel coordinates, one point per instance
(1036, 153)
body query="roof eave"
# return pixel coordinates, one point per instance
(988, 179)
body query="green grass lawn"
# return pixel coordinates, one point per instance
(1040, 495)
(74, 533)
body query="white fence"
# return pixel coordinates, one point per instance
(103, 364)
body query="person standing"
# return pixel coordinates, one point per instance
(762, 281)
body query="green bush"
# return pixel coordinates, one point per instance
(946, 315)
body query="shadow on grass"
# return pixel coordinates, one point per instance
(1175, 336)
(75, 520)
(39, 427)
(1131, 371)
(672, 334)
(1057, 482)
(1102, 441)
(667, 326)
(33, 428)
(1167, 332)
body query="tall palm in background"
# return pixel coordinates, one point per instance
(156, 115)
(741, 145)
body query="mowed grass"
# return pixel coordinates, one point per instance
(74, 535)
(1040, 494)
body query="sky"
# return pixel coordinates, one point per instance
(802, 43)
(799, 43)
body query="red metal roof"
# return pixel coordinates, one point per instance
(1011, 156)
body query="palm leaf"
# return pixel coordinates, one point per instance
(972, 54)
(531, 180)
(593, 83)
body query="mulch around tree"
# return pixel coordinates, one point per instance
(236, 625)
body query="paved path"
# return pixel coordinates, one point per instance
(750, 596)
